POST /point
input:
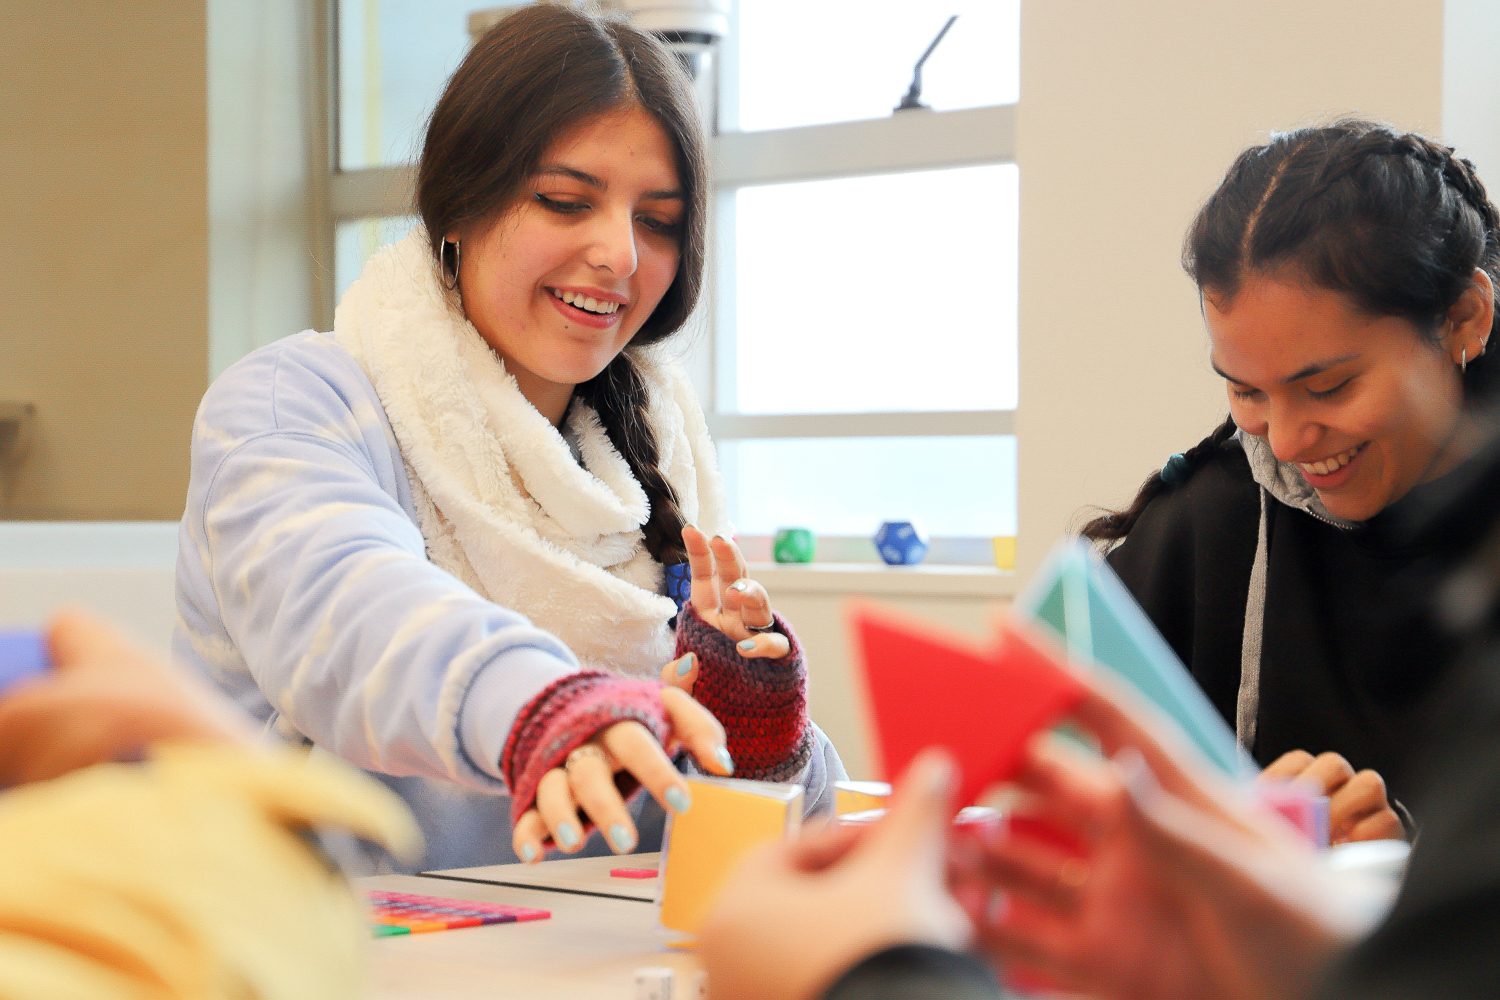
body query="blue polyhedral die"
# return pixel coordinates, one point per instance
(901, 543)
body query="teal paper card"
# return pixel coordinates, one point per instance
(1081, 599)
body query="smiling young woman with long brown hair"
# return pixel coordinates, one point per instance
(437, 541)
(1348, 279)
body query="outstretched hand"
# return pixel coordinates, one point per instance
(586, 786)
(725, 597)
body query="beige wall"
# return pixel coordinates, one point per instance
(103, 274)
(1129, 115)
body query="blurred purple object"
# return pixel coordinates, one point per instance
(23, 654)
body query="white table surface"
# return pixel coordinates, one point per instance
(589, 948)
(591, 875)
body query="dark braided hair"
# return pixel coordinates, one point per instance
(619, 395)
(1393, 221)
(1113, 525)
(537, 73)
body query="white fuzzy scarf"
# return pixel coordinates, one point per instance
(500, 499)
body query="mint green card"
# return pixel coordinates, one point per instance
(1080, 598)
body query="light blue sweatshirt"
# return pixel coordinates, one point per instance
(304, 590)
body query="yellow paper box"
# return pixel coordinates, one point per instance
(857, 796)
(728, 819)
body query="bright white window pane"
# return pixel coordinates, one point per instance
(806, 62)
(956, 486)
(355, 241)
(889, 292)
(394, 58)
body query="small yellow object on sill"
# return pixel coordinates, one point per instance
(1005, 551)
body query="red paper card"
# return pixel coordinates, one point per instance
(928, 687)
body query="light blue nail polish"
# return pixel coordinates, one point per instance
(740, 585)
(747, 644)
(619, 836)
(528, 853)
(685, 665)
(567, 835)
(678, 799)
(721, 754)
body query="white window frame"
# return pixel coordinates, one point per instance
(899, 143)
(909, 141)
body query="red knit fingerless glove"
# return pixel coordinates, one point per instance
(567, 715)
(762, 704)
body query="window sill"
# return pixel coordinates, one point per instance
(880, 580)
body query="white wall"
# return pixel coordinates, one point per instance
(1129, 115)
(123, 571)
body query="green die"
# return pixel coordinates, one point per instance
(793, 545)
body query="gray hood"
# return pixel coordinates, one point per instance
(1283, 480)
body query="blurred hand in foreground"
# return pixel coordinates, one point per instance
(1178, 884)
(797, 914)
(105, 699)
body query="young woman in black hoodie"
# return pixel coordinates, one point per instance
(1347, 274)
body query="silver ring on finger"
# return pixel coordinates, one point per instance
(582, 752)
(769, 626)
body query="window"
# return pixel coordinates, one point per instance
(356, 239)
(904, 284)
(865, 329)
(863, 302)
(810, 62)
(393, 58)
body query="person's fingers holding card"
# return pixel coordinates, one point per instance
(105, 699)
(1360, 810)
(1287, 766)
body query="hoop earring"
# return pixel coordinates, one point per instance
(1463, 364)
(450, 283)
